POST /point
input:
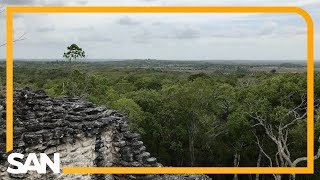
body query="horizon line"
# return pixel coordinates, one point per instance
(151, 59)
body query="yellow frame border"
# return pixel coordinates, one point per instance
(171, 9)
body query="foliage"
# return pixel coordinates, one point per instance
(74, 52)
(190, 119)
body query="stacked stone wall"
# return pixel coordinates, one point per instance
(84, 134)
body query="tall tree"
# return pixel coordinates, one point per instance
(74, 52)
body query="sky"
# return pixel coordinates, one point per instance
(184, 36)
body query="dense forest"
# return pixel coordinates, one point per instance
(239, 118)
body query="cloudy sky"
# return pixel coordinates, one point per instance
(164, 36)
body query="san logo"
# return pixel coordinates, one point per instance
(33, 164)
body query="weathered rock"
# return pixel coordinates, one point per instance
(151, 160)
(84, 134)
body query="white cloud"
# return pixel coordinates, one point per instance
(127, 21)
(268, 28)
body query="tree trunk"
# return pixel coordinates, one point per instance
(235, 177)
(63, 88)
(258, 164)
(277, 176)
(236, 162)
(191, 141)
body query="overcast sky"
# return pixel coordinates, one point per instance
(165, 36)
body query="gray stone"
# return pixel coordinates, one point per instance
(85, 135)
(119, 144)
(151, 160)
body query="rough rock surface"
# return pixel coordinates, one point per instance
(84, 134)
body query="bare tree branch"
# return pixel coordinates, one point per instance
(294, 121)
(268, 129)
(20, 38)
(261, 149)
(266, 155)
(277, 160)
(279, 134)
(316, 156)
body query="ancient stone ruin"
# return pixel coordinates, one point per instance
(84, 134)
